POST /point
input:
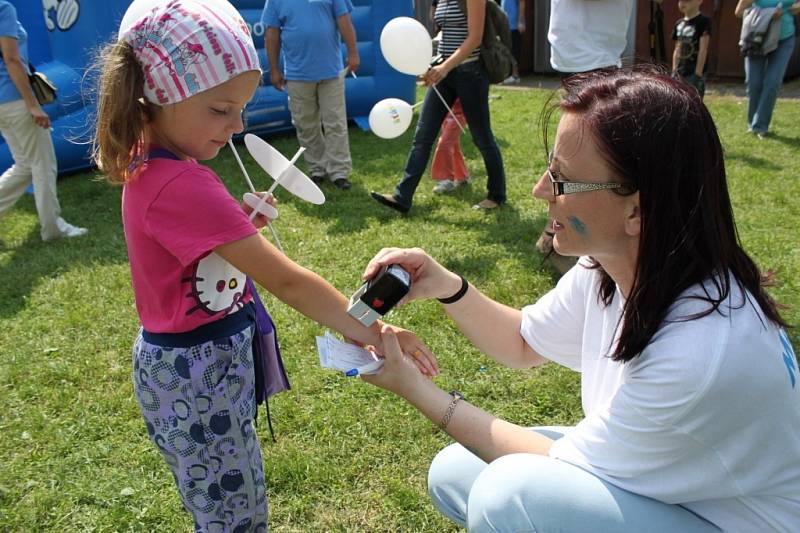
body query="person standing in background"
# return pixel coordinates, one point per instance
(764, 74)
(308, 33)
(26, 128)
(584, 35)
(515, 9)
(691, 35)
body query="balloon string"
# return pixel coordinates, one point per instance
(448, 108)
(253, 190)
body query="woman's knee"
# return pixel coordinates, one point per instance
(513, 491)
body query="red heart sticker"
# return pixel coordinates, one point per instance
(377, 303)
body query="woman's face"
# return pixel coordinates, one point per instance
(599, 223)
(202, 124)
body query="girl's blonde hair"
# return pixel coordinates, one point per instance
(122, 113)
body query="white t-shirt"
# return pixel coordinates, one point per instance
(707, 416)
(588, 34)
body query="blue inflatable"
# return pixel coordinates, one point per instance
(65, 36)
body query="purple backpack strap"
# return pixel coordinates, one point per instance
(270, 373)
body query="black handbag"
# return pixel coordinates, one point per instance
(43, 88)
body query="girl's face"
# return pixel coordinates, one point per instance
(202, 124)
(599, 223)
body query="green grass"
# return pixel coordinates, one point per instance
(348, 457)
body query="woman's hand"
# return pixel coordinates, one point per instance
(435, 74)
(794, 9)
(399, 373)
(429, 278)
(260, 219)
(778, 13)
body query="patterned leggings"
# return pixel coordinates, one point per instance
(198, 405)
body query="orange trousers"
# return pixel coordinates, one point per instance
(448, 160)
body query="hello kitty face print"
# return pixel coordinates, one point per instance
(186, 47)
(216, 286)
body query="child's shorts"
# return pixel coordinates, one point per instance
(198, 404)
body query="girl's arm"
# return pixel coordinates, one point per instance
(483, 434)
(310, 294)
(476, 13)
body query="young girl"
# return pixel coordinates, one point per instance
(449, 169)
(172, 91)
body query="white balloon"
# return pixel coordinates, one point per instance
(139, 8)
(406, 45)
(390, 118)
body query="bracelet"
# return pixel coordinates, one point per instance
(458, 295)
(457, 397)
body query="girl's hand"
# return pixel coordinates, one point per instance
(778, 13)
(399, 374)
(794, 9)
(435, 74)
(260, 220)
(429, 278)
(412, 346)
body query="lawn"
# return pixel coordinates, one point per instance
(348, 457)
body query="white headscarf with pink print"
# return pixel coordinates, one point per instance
(189, 46)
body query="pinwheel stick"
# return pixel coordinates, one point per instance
(253, 190)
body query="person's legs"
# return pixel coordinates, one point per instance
(198, 405)
(34, 162)
(334, 122)
(773, 72)
(304, 106)
(430, 120)
(16, 179)
(754, 67)
(472, 86)
(536, 493)
(453, 472)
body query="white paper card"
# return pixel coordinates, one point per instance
(345, 357)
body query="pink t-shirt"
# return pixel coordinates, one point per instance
(175, 213)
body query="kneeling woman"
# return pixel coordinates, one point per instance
(689, 381)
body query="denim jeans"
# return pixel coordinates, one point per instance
(764, 76)
(535, 493)
(470, 83)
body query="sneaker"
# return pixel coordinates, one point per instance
(342, 183)
(445, 186)
(511, 80)
(762, 135)
(67, 230)
(485, 205)
(318, 178)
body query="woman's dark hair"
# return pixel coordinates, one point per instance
(659, 138)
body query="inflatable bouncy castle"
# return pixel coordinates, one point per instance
(64, 37)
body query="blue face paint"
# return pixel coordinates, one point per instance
(578, 225)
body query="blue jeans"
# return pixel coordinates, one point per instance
(535, 493)
(470, 83)
(764, 76)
